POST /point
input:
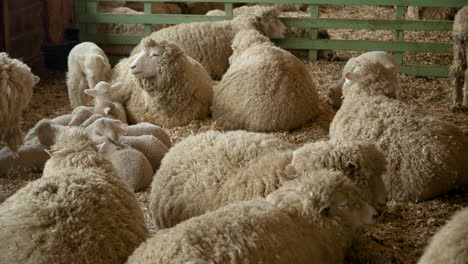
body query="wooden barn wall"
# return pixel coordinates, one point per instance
(2, 31)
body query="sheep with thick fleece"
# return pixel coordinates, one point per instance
(214, 38)
(229, 167)
(335, 91)
(16, 89)
(163, 86)
(130, 164)
(87, 65)
(265, 89)
(103, 104)
(430, 13)
(79, 211)
(449, 245)
(425, 156)
(459, 68)
(310, 220)
(27, 158)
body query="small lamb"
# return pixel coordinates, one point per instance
(310, 220)
(87, 65)
(265, 89)
(103, 104)
(27, 158)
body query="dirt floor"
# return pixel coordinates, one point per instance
(403, 230)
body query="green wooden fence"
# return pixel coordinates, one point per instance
(88, 19)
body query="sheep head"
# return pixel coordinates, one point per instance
(102, 89)
(111, 129)
(154, 58)
(244, 39)
(266, 20)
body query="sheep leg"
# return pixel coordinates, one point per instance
(456, 74)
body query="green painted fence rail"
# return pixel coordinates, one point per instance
(88, 19)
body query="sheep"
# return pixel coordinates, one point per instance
(143, 128)
(44, 133)
(334, 91)
(459, 69)
(425, 156)
(159, 7)
(163, 86)
(214, 38)
(16, 89)
(103, 104)
(87, 65)
(63, 120)
(29, 158)
(79, 211)
(80, 114)
(153, 149)
(430, 13)
(130, 164)
(449, 244)
(229, 167)
(265, 89)
(310, 220)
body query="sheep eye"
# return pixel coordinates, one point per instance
(154, 55)
(344, 205)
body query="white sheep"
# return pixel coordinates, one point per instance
(459, 68)
(425, 156)
(335, 91)
(310, 220)
(144, 128)
(79, 211)
(214, 38)
(449, 245)
(130, 164)
(87, 65)
(120, 28)
(430, 13)
(27, 158)
(44, 133)
(265, 89)
(16, 89)
(63, 120)
(229, 167)
(163, 86)
(103, 104)
(80, 114)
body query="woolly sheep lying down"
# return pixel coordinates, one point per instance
(79, 211)
(425, 156)
(335, 91)
(87, 65)
(449, 244)
(16, 89)
(103, 104)
(163, 86)
(265, 89)
(235, 166)
(214, 39)
(309, 220)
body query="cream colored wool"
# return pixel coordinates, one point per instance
(425, 156)
(141, 129)
(103, 104)
(214, 38)
(335, 91)
(449, 245)
(79, 211)
(28, 158)
(166, 88)
(16, 89)
(80, 114)
(311, 220)
(229, 167)
(63, 120)
(459, 68)
(265, 89)
(430, 13)
(87, 65)
(130, 164)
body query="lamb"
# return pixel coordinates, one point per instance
(265, 89)
(80, 114)
(103, 104)
(143, 128)
(430, 13)
(130, 164)
(79, 211)
(449, 244)
(214, 38)
(459, 69)
(163, 86)
(235, 166)
(425, 156)
(87, 65)
(44, 133)
(309, 220)
(27, 158)
(16, 88)
(63, 120)
(334, 91)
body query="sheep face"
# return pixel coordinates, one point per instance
(272, 27)
(110, 128)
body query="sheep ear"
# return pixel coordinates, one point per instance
(107, 110)
(325, 211)
(352, 76)
(352, 165)
(104, 147)
(92, 92)
(116, 85)
(50, 151)
(36, 79)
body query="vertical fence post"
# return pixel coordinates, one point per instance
(228, 10)
(313, 32)
(399, 34)
(148, 11)
(92, 9)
